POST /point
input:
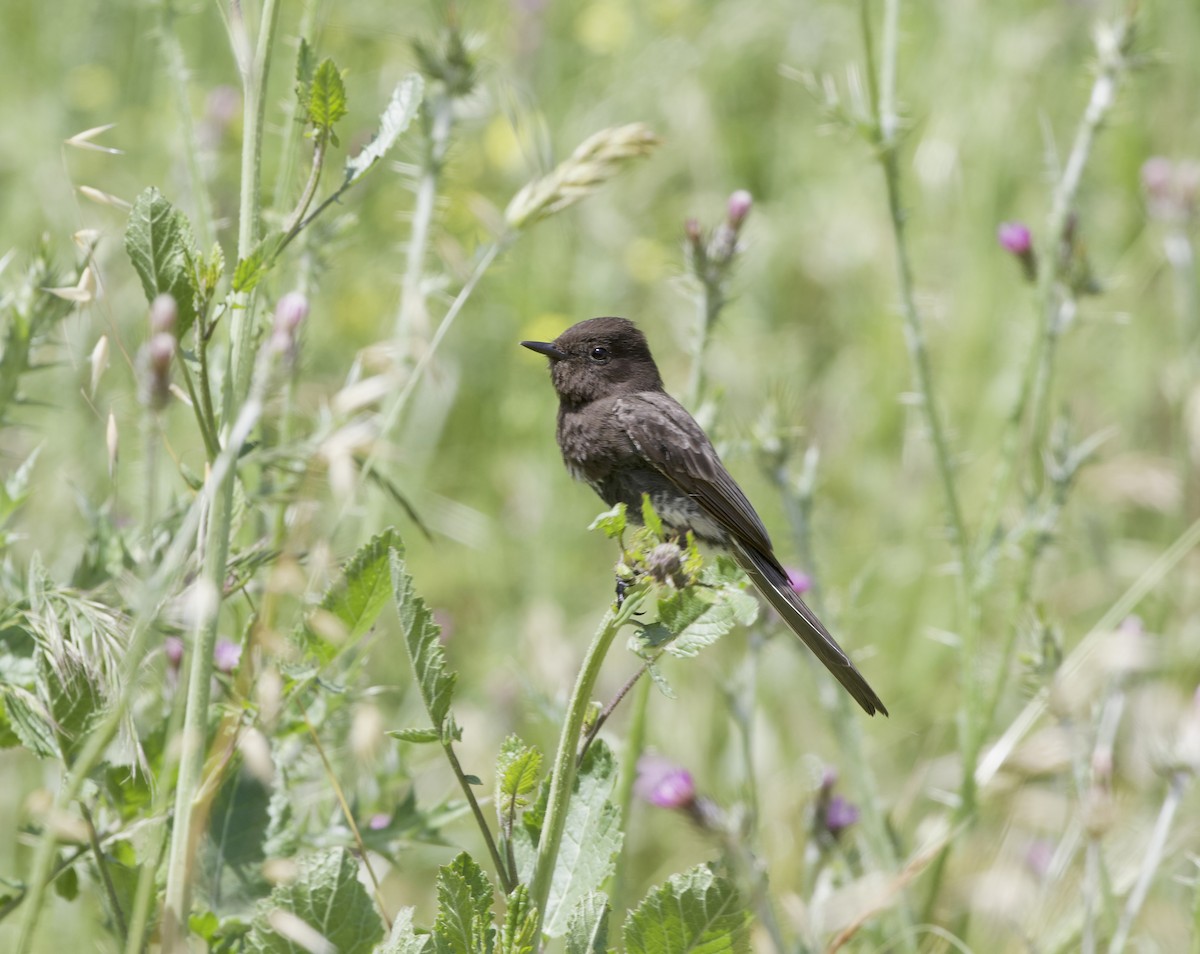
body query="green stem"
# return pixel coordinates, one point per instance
(635, 744)
(201, 404)
(411, 319)
(289, 149)
(708, 309)
(502, 869)
(562, 780)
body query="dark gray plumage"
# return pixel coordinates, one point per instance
(622, 434)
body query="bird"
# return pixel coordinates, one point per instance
(621, 433)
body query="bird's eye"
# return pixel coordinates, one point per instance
(599, 354)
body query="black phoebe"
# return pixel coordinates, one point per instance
(619, 431)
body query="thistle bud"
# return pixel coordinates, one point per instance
(739, 207)
(1015, 237)
(163, 314)
(289, 316)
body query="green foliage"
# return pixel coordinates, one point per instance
(326, 100)
(517, 768)
(250, 270)
(587, 927)
(518, 933)
(327, 898)
(396, 118)
(354, 601)
(159, 242)
(693, 911)
(403, 938)
(464, 918)
(425, 652)
(591, 839)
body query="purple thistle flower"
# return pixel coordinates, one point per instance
(840, 815)
(173, 650)
(738, 208)
(1015, 237)
(663, 783)
(226, 655)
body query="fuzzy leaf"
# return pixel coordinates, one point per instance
(328, 898)
(591, 839)
(694, 911)
(159, 242)
(356, 599)
(326, 98)
(403, 938)
(464, 919)
(587, 927)
(306, 64)
(611, 522)
(520, 923)
(251, 269)
(15, 489)
(517, 768)
(424, 648)
(698, 617)
(396, 118)
(416, 736)
(28, 721)
(650, 517)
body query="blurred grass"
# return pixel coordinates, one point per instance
(988, 90)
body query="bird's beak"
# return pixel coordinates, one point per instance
(545, 347)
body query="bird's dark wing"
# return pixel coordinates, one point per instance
(669, 438)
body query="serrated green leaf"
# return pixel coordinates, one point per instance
(15, 489)
(29, 722)
(396, 118)
(587, 927)
(520, 923)
(327, 896)
(425, 652)
(160, 245)
(403, 937)
(611, 522)
(250, 270)
(464, 919)
(356, 599)
(650, 517)
(591, 839)
(306, 63)
(416, 736)
(517, 766)
(699, 616)
(326, 97)
(693, 912)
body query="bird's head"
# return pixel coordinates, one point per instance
(598, 358)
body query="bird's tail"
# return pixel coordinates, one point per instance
(769, 578)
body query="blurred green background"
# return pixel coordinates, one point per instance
(812, 341)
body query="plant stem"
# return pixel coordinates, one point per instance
(412, 318)
(708, 309)
(110, 889)
(502, 870)
(1150, 864)
(635, 743)
(562, 782)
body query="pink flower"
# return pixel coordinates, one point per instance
(799, 581)
(226, 655)
(663, 783)
(1015, 237)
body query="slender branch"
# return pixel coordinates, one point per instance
(291, 225)
(635, 743)
(105, 874)
(562, 781)
(211, 446)
(501, 868)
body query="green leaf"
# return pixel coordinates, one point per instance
(403, 106)
(306, 63)
(464, 919)
(424, 649)
(520, 923)
(326, 99)
(74, 695)
(611, 522)
(517, 767)
(404, 939)
(354, 601)
(698, 616)
(328, 898)
(417, 736)
(159, 242)
(587, 927)
(15, 489)
(693, 911)
(251, 269)
(651, 518)
(29, 722)
(591, 839)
